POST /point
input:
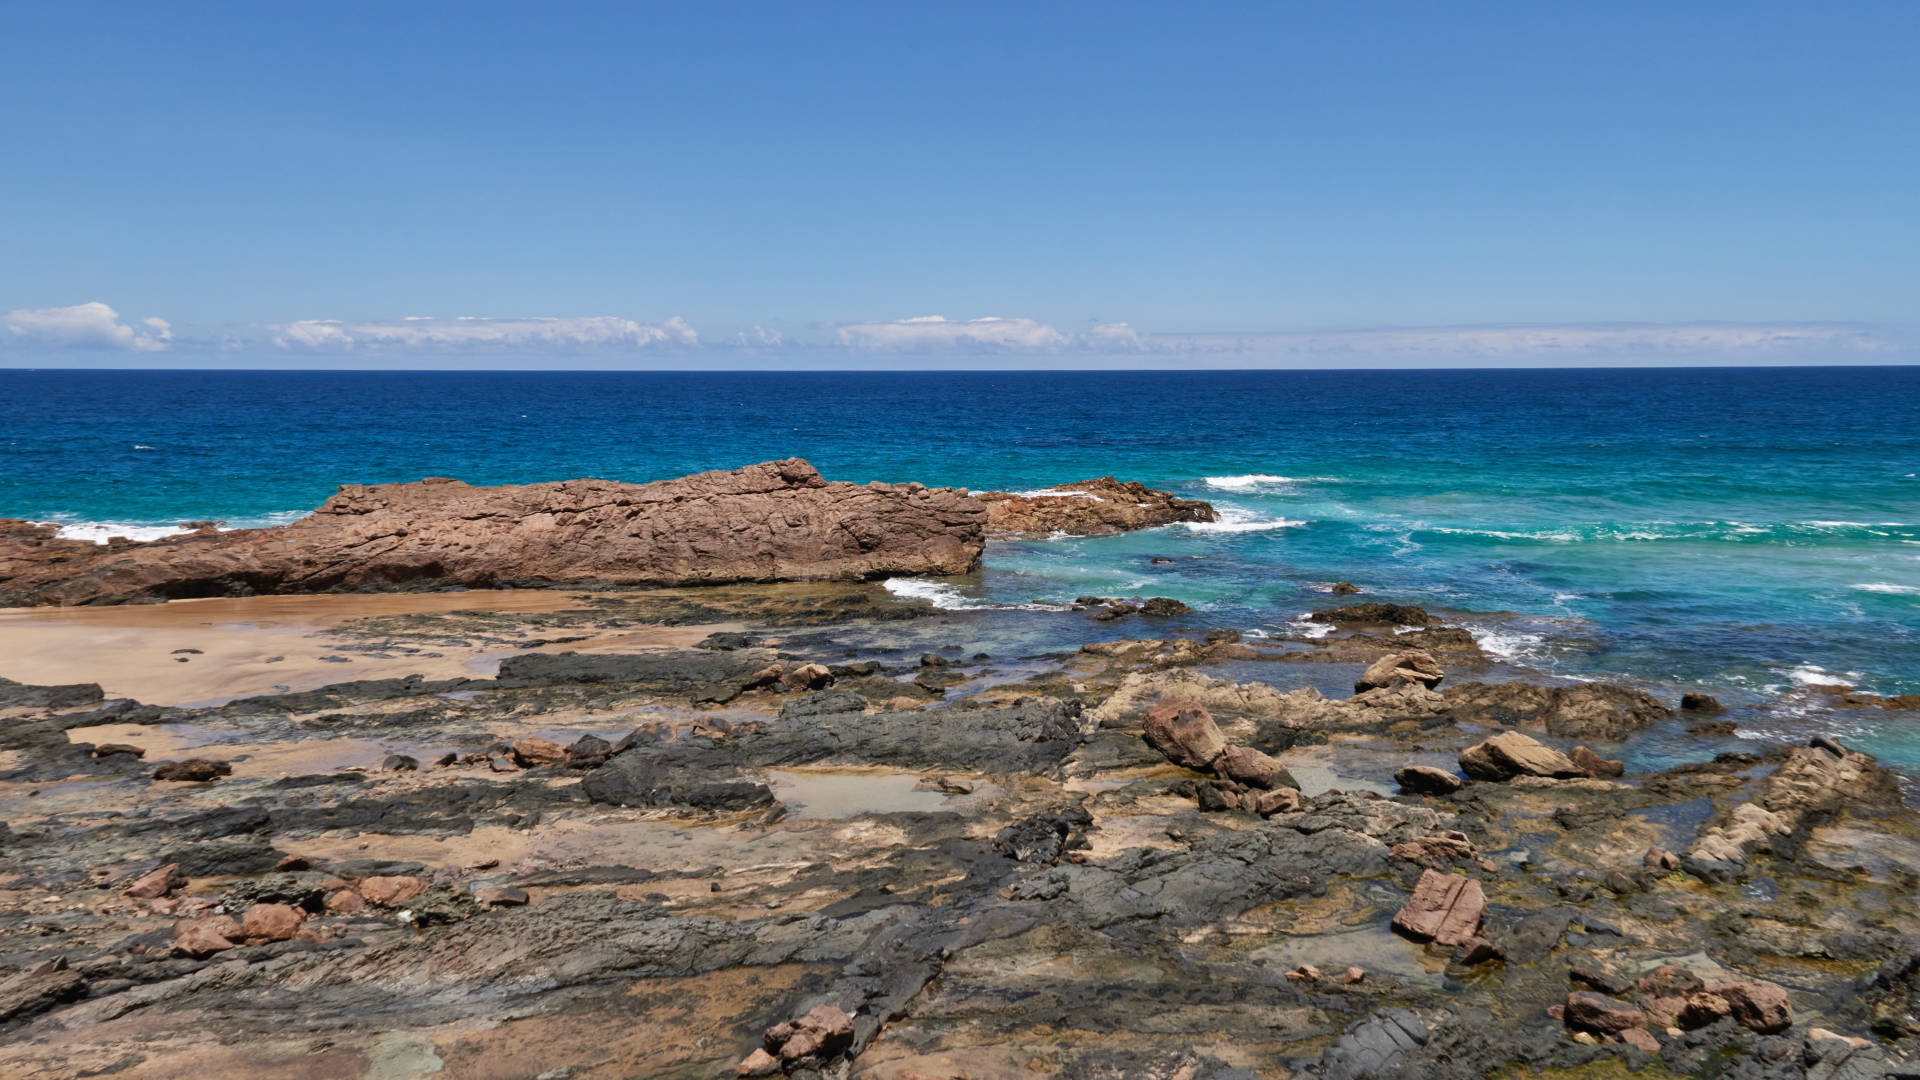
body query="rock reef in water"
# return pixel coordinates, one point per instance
(776, 521)
(1099, 507)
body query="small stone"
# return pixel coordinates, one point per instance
(1640, 1039)
(1401, 669)
(1757, 1006)
(270, 922)
(1478, 950)
(1426, 780)
(807, 677)
(156, 883)
(113, 748)
(1305, 973)
(758, 1063)
(205, 936)
(1354, 975)
(1284, 800)
(389, 891)
(1659, 858)
(447, 759)
(399, 763)
(501, 896)
(1702, 1010)
(193, 770)
(1594, 764)
(1599, 1013)
(530, 752)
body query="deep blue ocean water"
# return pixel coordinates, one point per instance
(1746, 530)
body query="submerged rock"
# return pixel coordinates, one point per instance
(1098, 507)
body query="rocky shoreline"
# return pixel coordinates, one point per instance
(824, 831)
(776, 521)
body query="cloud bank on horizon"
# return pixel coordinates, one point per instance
(97, 327)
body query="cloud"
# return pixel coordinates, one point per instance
(93, 325)
(937, 331)
(421, 332)
(760, 338)
(1540, 342)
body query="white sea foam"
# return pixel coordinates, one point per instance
(1234, 519)
(1558, 537)
(100, 531)
(1305, 627)
(1815, 675)
(949, 597)
(1889, 588)
(1507, 644)
(141, 446)
(1251, 481)
(1057, 493)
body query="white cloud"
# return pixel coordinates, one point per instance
(93, 325)
(422, 332)
(1115, 336)
(939, 331)
(1544, 342)
(760, 337)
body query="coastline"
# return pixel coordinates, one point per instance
(972, 781)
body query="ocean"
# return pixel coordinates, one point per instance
(1745, 531)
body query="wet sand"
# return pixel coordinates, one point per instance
(273, 644)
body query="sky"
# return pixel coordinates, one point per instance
(979, 185)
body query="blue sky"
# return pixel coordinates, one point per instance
(809, 185)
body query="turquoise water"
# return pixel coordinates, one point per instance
(1746, 530)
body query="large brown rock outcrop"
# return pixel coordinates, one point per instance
(1098, 507)
(777, 521)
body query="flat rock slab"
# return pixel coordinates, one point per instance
(1445, 908)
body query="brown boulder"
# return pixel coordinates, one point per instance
(1245, 765)
(1445, 908)
(1600, 1014)
(112, 748)
(205, 936)
(529, 752)
(1098, 507)
(1756, 1006)
(1400, 669)
(193, 770)
(1594, 764)
(1278, 801)
(758, 1063)
(776, 521)
(822, 1033)
(346, 902)
(807, 677)
(156, 883)
(270, 922)
(1185, 733)
(1426, 780)
(388, 891)
(1510, 754)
